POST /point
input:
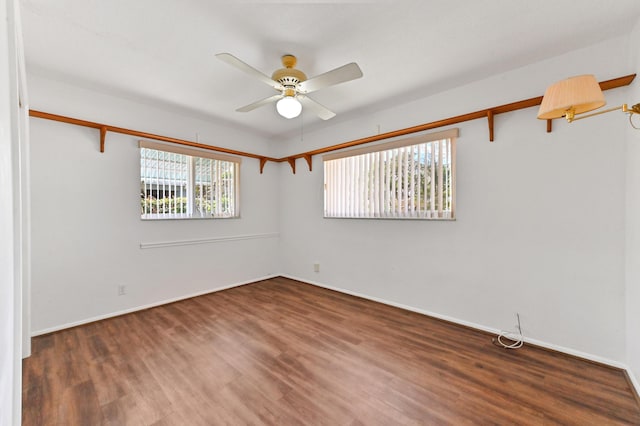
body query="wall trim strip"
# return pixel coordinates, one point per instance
(191, 242)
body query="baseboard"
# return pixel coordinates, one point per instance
(147, 306)
(633, 382)
(550, 346)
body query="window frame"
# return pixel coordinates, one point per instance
(448, 215)
(190, 184)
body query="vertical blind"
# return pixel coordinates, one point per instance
(412, 178)
(178, 182)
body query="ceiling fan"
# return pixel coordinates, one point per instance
(293, 85)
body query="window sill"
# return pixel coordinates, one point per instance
(434, 219)
(156, 217)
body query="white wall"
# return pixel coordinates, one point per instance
(540, 223)
(633, 221)
(86, 227)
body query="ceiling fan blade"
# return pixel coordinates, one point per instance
(260, 103)
(318, 109)
(330, 78)
(248, 69)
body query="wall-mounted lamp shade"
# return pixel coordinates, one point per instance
(574, 95)
(289, 107)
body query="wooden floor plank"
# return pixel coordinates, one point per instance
(280, 352)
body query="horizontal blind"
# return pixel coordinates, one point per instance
(410, 178)
(186, 183)
(194, 152)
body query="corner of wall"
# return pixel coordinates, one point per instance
(632, 223)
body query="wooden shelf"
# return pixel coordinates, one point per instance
(488, 113)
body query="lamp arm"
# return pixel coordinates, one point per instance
(622, 107)
(635, 109)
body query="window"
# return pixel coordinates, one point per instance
(412, 178)
(184, 183)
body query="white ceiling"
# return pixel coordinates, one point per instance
(162, 51)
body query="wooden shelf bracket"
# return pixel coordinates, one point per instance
(292, 163)
(103, 135)
(490, 120)
(308, 157)
(263, 161)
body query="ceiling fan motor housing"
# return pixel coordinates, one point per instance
(289, 76)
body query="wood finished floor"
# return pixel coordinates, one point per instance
(280, 352)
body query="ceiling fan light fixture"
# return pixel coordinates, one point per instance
(289, 107)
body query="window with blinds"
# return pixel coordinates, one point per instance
(184, 183)
(412, 178)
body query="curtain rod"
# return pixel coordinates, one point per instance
(487, 113)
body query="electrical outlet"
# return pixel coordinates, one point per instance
(122, 290)
(316, 267)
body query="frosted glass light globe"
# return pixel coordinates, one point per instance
(289, 107)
